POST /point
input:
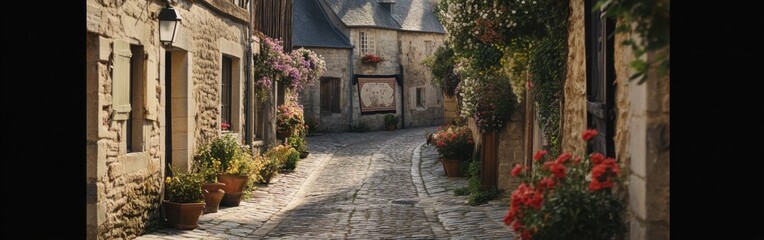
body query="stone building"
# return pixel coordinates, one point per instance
(150, 104)
(632, 119)
(402, 32)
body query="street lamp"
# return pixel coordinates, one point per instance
(168, 25)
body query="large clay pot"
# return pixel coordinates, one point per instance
(231, 199)
(182, 216)
(213, 194)
(304, 154)
(452, 167)
(390, 127)
(234, 185)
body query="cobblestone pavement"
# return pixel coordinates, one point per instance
(375, 185)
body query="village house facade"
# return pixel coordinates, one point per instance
(403, 33)
(632, 120)
(149, 104)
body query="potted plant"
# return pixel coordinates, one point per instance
(288, 117)
(455, 147)
(273, 160)
(184, 201)
(371, 58)
(570, 197)
(311, 124)
(211, 188)
(391, 121)
(298, 140)
(235, 169)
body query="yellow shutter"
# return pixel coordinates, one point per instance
(121, 80)
(150, 89)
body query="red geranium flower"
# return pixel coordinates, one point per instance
(597, 158)
(563, 158)
(517, 170)
(589, 134)
(539, 155)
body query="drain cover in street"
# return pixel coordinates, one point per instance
(404, 201)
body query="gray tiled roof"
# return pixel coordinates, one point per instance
(357, 13)
(417, 15)
(311, 28)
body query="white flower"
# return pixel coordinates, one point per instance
(513, 11)
(523, 2)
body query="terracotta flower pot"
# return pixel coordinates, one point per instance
(182, 216)
(213, 194)
(452, 167)
(234, 185)
(304, 154)
(231, 199)
(390, 127)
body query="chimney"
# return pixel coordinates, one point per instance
(387, 5)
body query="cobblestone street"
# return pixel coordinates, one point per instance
(375, 185)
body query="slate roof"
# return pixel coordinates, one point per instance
(408, 15)
(362, 13)
(417, 15)
(312, 28)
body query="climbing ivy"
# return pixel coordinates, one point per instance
(650, 21)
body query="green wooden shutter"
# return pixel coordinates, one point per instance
(121, 80)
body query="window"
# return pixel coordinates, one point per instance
(420, 97)
(225, 89)
(367, 43)
(330, 95)
(428, 48)
(134, 122)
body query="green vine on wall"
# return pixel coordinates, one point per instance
(511, 39)
(650, 21)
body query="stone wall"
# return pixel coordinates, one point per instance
(642, 130)
(417, 75)
(511, 149)
(574, 91)
(337, 65)
(124, 189)
(646, 153)
(386, 47)
(113, 175)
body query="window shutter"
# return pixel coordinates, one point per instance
(150, 95)
(121, 80)
(412, 98)
(432, 96)
(336, 95)
(325, 97)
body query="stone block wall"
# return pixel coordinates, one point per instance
(511, 149)
(574, 89)
(416, 75)
(645, 142)
(337, 65)
(386, 42)
(642, 130)
(124, 189)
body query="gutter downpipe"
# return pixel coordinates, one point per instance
(403, 112)
(248, 92)
(350, 87)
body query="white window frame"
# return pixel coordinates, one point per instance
(367, 43)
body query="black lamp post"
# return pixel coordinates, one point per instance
(169, 19)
